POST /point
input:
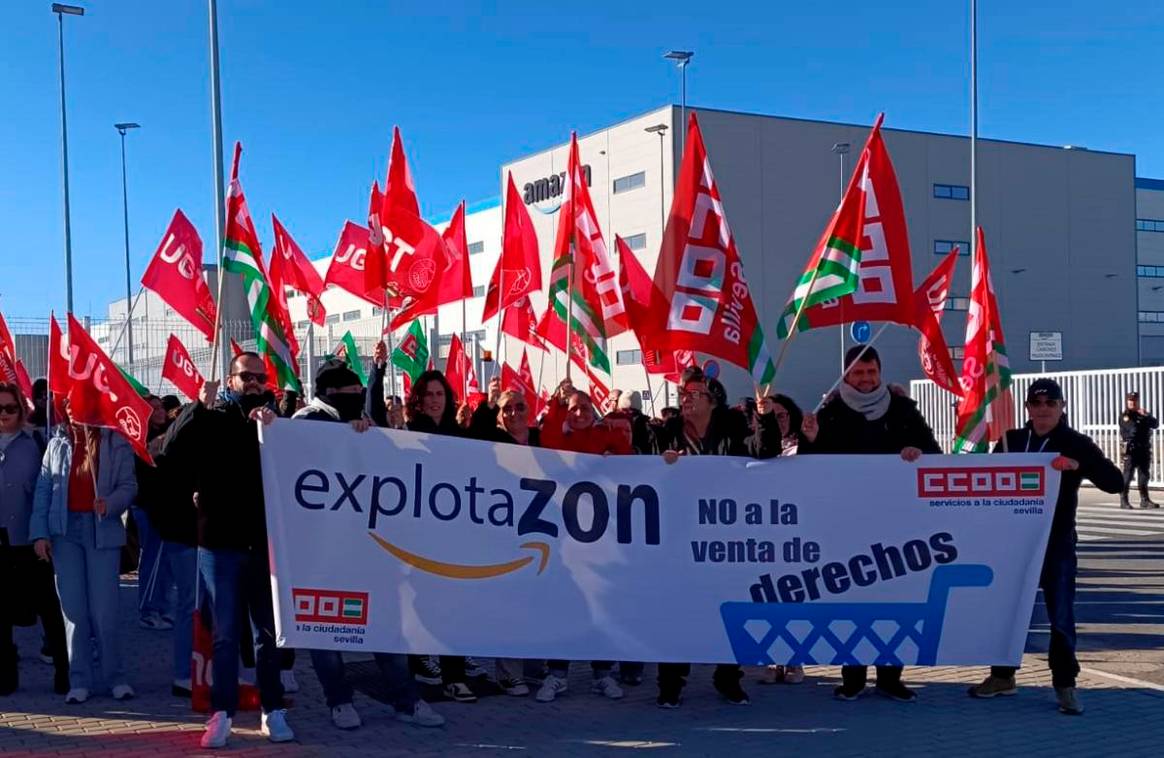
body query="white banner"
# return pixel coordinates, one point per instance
(398, 542)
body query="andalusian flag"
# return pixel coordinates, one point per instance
(411, 355)
(243, 256)
(348, 352)
(986, 411)
(133, 382)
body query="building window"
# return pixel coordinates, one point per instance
(636, 241)
(479, 291)
(377, 311)
(628, 357)
(628, 183)
(1149, 225)
(351, 315)
(1150, 272)
(943, 247)
(1151, 317)
(952, 191)
(333, 318)
(444, 344)
(957, 354)
(957, 303)
(476, 248)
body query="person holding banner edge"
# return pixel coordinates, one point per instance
(1047, 431)
(865, 417)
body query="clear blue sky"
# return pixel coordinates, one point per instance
(313, 89)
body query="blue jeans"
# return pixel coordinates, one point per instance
(153, 578)
(87, 583)
(236, 581)
(402, 691)
(1058, 583)
(182, 564)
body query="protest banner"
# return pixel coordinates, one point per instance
(401, 542)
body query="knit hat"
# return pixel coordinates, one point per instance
(332, 374)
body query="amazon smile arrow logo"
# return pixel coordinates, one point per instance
(460, 571)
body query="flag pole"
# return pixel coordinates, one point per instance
(132, 307)
(219, 188)
(859, 356)
(649, 388)
(796, 320)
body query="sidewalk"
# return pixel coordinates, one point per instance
(799, 720)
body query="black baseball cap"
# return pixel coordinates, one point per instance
(1048, 388)
(1133, 395)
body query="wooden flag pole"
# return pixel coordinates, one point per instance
(796, 320)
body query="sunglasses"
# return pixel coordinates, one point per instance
(11, 408)
(1043, 402)
(250, 376)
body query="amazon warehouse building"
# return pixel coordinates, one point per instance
(1076, 242)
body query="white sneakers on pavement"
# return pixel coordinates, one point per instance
(76, 696)
(345, 716)
(421, 714)
(607, 687)
(217, 731)
(274, 726)
(551, 687)
(122, 692)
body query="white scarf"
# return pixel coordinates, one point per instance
(872, 405)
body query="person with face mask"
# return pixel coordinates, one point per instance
(1047, 431)
(86, 484)
(865, 417)
(216, 440)
(339, 397)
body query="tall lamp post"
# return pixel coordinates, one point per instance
(661, 130)
(122, 128)
(66, 10)
(842, 149)
(682, 59)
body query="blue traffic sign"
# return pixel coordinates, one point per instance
(861, 331)
(711, 369)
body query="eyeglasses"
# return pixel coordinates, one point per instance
(513, 409)
(250, 376)
(11, 408)
(684, 395)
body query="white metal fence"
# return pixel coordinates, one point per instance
(1095, 400)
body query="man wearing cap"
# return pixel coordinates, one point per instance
(1136, 427)
(1079, 458)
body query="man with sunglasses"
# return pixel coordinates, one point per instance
(1079, 458)
(215, 438)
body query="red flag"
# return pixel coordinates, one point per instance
(527, 381)
(702, 301)
(885, 285)
(399, 191)
(291, 268)
(11, 367)
(415, 256)
(637, 289)
(456, 281)
(175, 275)
(519, 321)
(236, 348)
(683, 359)
(458, 367)
(346, 269)
(929, 302)
(58, 360)
(518, 271)
(180, 370)
(599, 392)
(100, 395)
(375, 267)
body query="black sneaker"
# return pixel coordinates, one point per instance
(732, 691)
(460, 692)
(669, 698)
(429, 671)
(1125, 505)
(847, 693)
(897, 691)
(1146, 503)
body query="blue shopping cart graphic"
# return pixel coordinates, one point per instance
(847, 633)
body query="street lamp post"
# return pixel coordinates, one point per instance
(661, 130)
(66, 10)
(842, 149)
(682, 59)
(122, 128)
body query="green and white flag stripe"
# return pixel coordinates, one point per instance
(238, 258)
(587, 324)
(760, 363)
(838, 266)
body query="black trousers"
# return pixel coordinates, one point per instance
(856, 676)
(19, 567)
(674, 675)
(1057, 581)
(1137, 465)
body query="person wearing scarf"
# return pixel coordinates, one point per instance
(865, 417)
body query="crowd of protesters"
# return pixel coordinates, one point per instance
(66, 496)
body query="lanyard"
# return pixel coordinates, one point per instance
(1028, 448)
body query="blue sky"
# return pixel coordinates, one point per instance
(313, 89)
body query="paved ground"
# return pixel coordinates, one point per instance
(1121, 613)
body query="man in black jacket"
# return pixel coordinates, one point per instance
(1136, 427)
(216, 440)
(1079, 458)
(865, 417)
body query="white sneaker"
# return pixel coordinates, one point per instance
(475, 670)
(77, 695)
(217, 731)
(422, 714)
(274, 726)
(550, 689)
(607, 687)
(290, 684)
(122, 692)
(345, 716)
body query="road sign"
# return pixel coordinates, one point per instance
(711, 369)
(1046, 346)
(860, 331)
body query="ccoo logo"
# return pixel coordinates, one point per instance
(987, 481)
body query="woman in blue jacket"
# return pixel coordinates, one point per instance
(86, 484)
